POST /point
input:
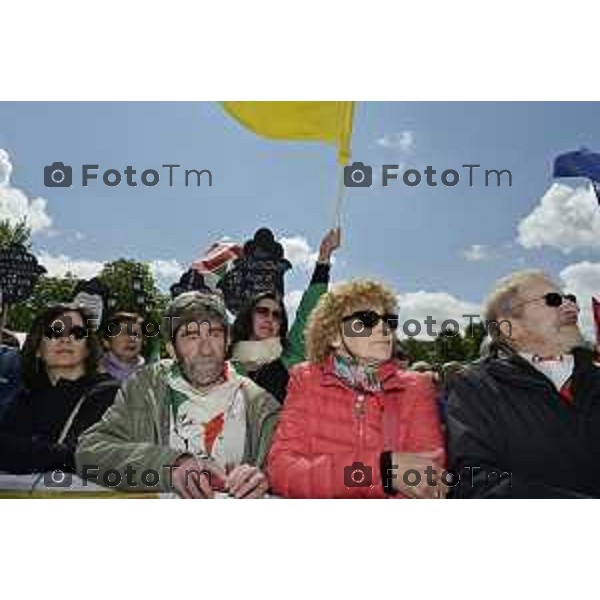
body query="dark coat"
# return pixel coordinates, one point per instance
(30, 429)
(511, 434)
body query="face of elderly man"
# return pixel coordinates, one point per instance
(540, 326)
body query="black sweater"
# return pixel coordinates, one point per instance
(510, 434)
(30, 429)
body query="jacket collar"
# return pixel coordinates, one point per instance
(512, 367)
(388, 374)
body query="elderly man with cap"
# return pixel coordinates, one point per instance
(524, 422)
(189, 424)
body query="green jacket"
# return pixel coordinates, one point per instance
(134, 432)
(295, 350)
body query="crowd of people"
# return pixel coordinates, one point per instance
(329, 407)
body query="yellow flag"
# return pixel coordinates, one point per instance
(316, 121)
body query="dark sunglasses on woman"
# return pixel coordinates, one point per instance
(77, 332)
(370, 318)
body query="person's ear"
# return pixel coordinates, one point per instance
(336, 342)
(171, 350)
(510, 328)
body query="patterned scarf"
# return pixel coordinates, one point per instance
(362, 377)
(210, 423)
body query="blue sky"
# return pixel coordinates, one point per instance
(439, 245)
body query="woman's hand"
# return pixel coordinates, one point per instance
(329, 244)
(428, 465)
(246, 481)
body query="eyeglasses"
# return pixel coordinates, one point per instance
(369, 318)
(77, 332)
(553, 299)
(265, 311)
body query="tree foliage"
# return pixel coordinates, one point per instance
(18, 233)
(47, 291)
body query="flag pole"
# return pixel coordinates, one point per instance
(339, 200)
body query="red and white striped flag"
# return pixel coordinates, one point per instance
(217, 261)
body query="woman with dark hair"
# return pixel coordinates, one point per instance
(64, 393)
(261, 347)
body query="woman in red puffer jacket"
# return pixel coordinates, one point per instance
(353, 424)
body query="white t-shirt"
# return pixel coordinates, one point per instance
(558, 371)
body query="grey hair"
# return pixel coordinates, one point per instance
(500, 303)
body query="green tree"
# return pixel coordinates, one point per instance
(474, 335)
(132, 288)
(419, 349)
(449, 347)
(47, 291)
(19, 233)
(120, 278)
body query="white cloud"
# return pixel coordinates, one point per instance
(567, 218)
(166, 272)
(404, 141)
(476, 252)
(292, 301)
(5, 168)
(438, 305)
(583, 280)
(14, 203)
(298, 251)
(60, 265)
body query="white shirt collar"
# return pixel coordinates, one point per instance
(559, 371)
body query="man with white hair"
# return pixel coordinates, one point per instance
(524, 422)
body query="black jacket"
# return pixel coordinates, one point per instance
(272, 377)
(30, 429)
(511, 435)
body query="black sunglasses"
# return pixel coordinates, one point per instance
(369, 318)
(552, 299)
(77, 332)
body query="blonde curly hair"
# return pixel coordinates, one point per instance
(325, 321)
